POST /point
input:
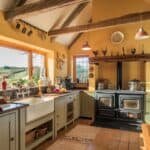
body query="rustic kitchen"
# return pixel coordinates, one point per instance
(74, 75)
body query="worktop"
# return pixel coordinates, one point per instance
(11, 106)
(24, 102)
(53, 96)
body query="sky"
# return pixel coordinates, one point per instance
(12, 57)
(16, 58)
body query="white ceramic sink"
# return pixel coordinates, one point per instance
(38, 107)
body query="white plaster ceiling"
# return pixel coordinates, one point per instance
(53, 19)
(47, 20)
(83, 18)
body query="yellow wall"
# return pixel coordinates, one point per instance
(8, 31)
(105, 9)
(100, 39)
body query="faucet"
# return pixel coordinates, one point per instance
(22, 93)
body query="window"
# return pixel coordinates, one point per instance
(13, 65)
(19, 66)
(38, 67)
(82, 69)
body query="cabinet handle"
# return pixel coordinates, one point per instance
(12, 139)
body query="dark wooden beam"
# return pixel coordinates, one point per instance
(129, 18)
(77, 37)
(57, 22)
(74, 14)
(71, 17)
(74, 40)
(38, 7)
(32, 26)
(20, 2)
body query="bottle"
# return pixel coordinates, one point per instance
(4, 84)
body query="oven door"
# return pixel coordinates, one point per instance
(130, 116)
(130, 102)
(106, 101)
(70, 109)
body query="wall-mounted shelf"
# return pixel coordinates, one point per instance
(121, 58)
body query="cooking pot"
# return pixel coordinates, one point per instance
(134, 85)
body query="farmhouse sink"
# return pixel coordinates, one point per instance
(38, 107)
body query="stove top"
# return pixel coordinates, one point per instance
(120, 91)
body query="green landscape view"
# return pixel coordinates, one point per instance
(19, 75)
(14, 66)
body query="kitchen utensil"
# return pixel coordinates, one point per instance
(104, 52)
(134, 85)
(133, 51)
(123, 51)
(95, 53)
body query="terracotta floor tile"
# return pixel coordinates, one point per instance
(85, 137)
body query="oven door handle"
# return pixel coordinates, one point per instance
(121, 104)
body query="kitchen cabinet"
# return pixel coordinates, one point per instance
(60, 113)
(38, 131)
(87, 105)
(9, 131)
(76, 105)
(147, 108)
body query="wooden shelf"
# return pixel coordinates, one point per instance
(122, 58)
(38, 141)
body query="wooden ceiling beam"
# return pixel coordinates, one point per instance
(77, 37)
(74, 40)
(20, 2)
(39, 7)
(74, 14)
(31, 26)
(71, 17)
(129, 18)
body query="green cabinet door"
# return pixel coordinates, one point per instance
(8, 132)
(87, 105)
(147, 108)
(60, 112)
(4, 132)
(76, 106)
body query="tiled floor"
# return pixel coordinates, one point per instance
(85, 137)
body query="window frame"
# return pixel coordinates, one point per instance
(74, 66)
(30, 60)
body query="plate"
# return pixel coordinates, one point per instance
(117, 37)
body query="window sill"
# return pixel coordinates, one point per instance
(81, 85)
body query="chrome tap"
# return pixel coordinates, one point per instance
(21, 93)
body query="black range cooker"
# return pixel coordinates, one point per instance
(119, 108)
